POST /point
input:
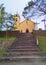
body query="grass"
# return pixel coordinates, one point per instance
(1, 40)
(2, 52)
(42, 43)
(7, 38)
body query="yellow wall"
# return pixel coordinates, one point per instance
(26, 24)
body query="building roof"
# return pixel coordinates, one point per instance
(27, 20)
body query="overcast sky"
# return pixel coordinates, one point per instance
(15, 6)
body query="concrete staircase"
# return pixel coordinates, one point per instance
(24, 48)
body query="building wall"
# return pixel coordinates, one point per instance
(26, 25)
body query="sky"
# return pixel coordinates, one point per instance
(15, 6)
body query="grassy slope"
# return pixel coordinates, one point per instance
(2, 52)
(7, 38)
(42, 43)
(4, 38)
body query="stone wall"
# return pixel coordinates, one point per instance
(9, 33)
(39, 32)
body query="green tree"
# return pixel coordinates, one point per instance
(9, 25)
(2, 13)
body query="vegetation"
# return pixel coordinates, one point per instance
(2, 52)
(4, 49)
(6, 20)
(9, 25)
(2, 13)
(42, 43)
(7, 38)
(35, 9)
(26, 7)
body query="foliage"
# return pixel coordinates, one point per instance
(35, 9)
(2, 52)
(31, 3)
(25, 8)
(4, 49)
(2, 13)
(9, 22)
(6, 20)
(7, 38)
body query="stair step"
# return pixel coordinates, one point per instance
(20, 50)
(23, 47)
(23, 59)
(23, 44)
(22, 54)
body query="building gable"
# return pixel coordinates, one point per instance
(27, 25)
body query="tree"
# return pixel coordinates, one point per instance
(6, 19)
(9, 25)
(35, 9)
(2, 13)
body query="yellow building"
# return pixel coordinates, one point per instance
(25, 26)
